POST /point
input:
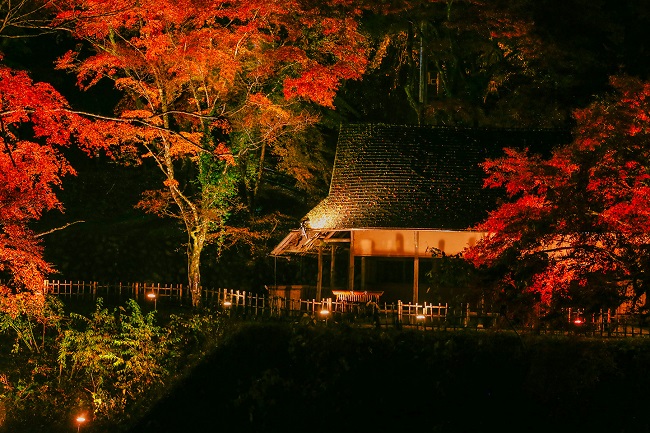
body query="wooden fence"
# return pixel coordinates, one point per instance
(247, 305)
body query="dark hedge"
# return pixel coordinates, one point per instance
(277, 378)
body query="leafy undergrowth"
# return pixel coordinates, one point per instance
(109, 366)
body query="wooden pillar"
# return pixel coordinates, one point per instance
(275, 275)
(351, 270)
(332, 267)
(363, 273)
(416, 266)
(319, 280)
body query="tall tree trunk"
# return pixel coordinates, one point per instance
(194, 249)
(411, 84)
(258, 179)
(194, 221)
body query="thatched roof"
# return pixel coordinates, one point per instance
(409, 177)
(399, 176)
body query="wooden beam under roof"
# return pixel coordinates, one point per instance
(299, 242)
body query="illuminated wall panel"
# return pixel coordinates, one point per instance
(402, 243)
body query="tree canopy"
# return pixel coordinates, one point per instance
(210, 87)
(575, 225)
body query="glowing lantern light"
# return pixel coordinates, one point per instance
(155, 299)
(80, 420)
(325, 313)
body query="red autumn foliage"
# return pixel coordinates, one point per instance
(212, 83)
(35, 123)
(192, 38)
(579, 220)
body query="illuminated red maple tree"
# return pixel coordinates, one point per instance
(209, 86)
(578, 223)
(35, 123)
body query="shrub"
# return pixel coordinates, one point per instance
(116, 356)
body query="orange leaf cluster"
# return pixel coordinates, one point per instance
(190, 65)
(30, 172)
(199, 39)
(214, 83)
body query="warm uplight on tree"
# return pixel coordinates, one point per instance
(36, 124)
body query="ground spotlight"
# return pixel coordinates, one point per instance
(80, 420)
(155, 299)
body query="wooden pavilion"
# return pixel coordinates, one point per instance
(400, 195)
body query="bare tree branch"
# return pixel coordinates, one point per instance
(23, 14)
(56, 229)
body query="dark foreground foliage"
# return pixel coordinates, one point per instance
(109, 366)
(200, 372)
(278, 378)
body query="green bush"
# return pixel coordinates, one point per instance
(116, 356)
(29, 330)
(111, 366)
